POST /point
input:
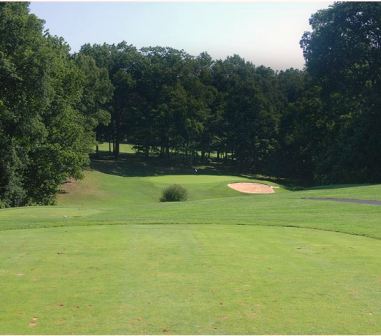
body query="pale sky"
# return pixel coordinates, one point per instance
(266, 33)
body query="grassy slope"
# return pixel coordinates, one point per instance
(202, 275)
(108, 199)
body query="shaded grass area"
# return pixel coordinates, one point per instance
(123, 148)
(134, 165)
(345, 200)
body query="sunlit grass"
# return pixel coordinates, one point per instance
(111, 258)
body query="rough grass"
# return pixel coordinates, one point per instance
(110, 258)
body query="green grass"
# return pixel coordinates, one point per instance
(128, 148)
(123, 148)
(110, 258)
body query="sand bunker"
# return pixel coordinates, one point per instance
(252, 188)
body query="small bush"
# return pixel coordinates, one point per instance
(174, 193)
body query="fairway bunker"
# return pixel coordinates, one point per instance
(252, 188)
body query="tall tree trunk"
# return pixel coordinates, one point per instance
(186, 151)
(117, 135)
(117, 147)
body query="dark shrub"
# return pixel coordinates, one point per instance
(174, 193)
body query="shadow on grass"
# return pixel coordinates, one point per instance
(138, 165)
(135, 165)
(340, 186)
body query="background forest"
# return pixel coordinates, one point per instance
(320, 125)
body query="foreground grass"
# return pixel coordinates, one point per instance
(110, 258)
(188, 279)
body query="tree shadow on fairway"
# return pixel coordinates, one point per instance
(138, 165)
(340, 186)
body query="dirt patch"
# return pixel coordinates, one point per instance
(252, 188)
(68, 186)
(88, 187)
(33, 322)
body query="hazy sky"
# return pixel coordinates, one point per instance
(264, 33)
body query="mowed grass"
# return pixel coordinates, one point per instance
(111, 259)
(123, 147)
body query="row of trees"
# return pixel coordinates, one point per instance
(322, 124)
(167, 100)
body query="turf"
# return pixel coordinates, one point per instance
(110, 258)
(123, 147)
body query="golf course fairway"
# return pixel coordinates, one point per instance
(110, 258)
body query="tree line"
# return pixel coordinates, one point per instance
(320, 124)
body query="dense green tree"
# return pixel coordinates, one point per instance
(250, 111)
(343, 57)
(124, 65)
(46, 122)
(21, 95)
(294, 154)
(96, 95)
